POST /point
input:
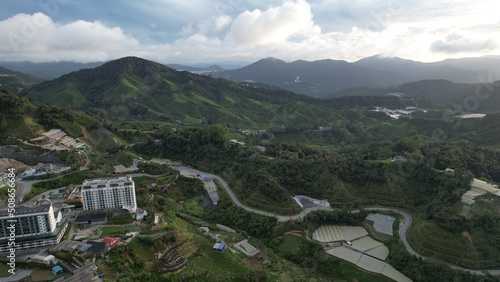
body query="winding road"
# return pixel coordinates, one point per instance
(24, 188)
(403, 226)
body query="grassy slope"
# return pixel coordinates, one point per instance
(133, 88)
(14, 81)
(430, 240)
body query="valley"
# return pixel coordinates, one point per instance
(215, 161)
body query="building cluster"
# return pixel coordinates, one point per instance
(396, 114)
(42, 169)
(353, 244)
(44, 226)
(55, 137)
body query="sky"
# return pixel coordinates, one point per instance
(225, 31)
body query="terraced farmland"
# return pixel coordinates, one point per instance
(216, 266)
(172, 261)
(431, 240)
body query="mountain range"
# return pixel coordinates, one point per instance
(134, 88)
(467, 97)
(48, 70)
(324, 77)
(315, 79)
(141, 92)
(208, 69)
(138, 89)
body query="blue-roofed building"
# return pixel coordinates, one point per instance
(85, 247)
(219, 247)
(57, 270)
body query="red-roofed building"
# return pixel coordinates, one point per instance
(111, 241)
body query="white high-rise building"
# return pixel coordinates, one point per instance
(107, 193)
(28, 221)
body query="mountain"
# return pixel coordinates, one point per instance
(134, 88)
(209, 69)
(15, 82)
(316, 78)
(469, 97)
(48, 70)
(322, 77)
(487, 66)
(466, 70)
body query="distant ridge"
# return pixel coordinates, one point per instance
(322, 77)
(135, 88)
(16, 82)
(315, 78)
(48, 70)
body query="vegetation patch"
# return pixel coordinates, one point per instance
(108, 231)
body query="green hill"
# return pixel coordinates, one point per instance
(134, 88)
(15, 82)
(24, 118)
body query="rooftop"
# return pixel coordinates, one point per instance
(97, 247)
(106, 182)
(382, 223)
(488, 187)
(26, 210)
(111, 241)
(93, 216)
(84, 273)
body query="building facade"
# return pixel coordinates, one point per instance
(31, 227)
(29, 221)
(108, 193)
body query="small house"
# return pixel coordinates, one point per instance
(219, 247)
(57, 270)
(111, 241)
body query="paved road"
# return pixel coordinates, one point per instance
(24, 188)
(403, 226)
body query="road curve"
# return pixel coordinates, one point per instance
(25, 187)
(403, 226)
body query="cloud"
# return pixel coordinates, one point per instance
(37, 38)
(274, 25)
(456, 43)
(237, 30)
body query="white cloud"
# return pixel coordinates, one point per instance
(456, 43)
(37, 38)
(228, 30)
(289, 31)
